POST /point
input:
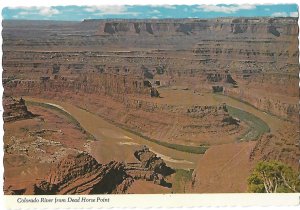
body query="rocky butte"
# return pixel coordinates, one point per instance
(227, 86)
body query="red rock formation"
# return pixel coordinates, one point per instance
(252, 59)
(261, 51)
(282, 146)
(81, 174)
(140, 115)
(15, 110)
(150, 161)
(151, 167)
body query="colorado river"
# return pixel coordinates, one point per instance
(114, 143)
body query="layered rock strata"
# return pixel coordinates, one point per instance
(283, 146)
(199, 53)
(80, 173)
(133, 111)
(15, 109)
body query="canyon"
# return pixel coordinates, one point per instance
(62, 165)
(208, 96)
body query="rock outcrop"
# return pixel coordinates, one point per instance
(283, 146)
(150, 161)
(15, 109)
(80, 173)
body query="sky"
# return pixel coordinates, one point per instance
(79, 13)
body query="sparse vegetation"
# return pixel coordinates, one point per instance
(183, 148)
(10, 78)
(272, 177)
(24, 129)
(257, 127)
(182, 180)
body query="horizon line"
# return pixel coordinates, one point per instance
(154, 19)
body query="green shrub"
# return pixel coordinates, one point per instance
(272, 177)
(182, 180)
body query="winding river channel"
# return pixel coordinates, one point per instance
(114, 143)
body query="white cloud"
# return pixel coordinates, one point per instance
(48, 11)
(225, 9)
(294, 14)
(163, 6)
(24, 13)
(21, 7)
(155, 11)
(279, 14)
(107, 9)
(110, 10)
(43, 11)
(169, 6)
(154, 17)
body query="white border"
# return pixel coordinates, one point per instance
(160, 200)
(137, 2)
(154, 201)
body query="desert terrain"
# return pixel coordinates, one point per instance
(147, 106)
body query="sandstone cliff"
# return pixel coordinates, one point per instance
(200, 53)
(15, 110)
(282, 146)
(83, 175)
(80, 173)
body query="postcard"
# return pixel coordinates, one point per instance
(167, 105)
